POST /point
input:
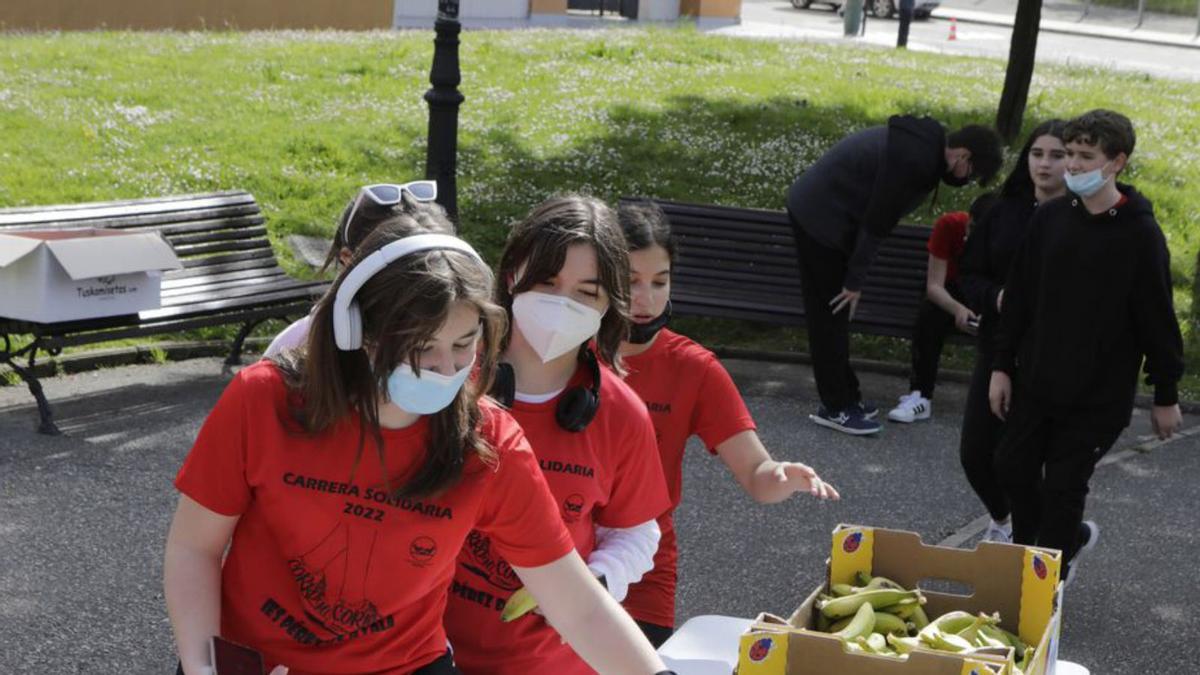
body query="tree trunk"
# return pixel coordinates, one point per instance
(1021, 56)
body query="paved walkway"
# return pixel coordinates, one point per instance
(83, 518)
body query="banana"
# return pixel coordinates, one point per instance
(883, 582)
(918, 617)
(971, 632)
(842, 590)
(519, 604)
(862, 578)
(947, 642)
(877, 643)
(994, 634)
(903, 609)
(953, 622)
(823, 623)
(842, 607)
(903, 645)
(860, 626)
(891, 624)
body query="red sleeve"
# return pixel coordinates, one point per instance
(519, 513)
(946, 239)
(639, 488)
(720, 413)
(214, 472)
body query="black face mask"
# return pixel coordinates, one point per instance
(641, 333)
(954, 181)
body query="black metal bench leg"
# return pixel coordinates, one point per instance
(46, 425)
(235, 353)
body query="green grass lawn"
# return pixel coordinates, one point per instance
(301, 119)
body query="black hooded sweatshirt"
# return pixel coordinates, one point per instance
(854, 195)
(983, 268)
(1087, 298)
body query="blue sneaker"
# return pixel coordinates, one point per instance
(848, 421)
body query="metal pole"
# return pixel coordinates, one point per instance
(1197, 35)
(443, 99)
(906, 17)
(1141, 13)
(852, 14)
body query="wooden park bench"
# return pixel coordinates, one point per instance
(230, 277)
(739, 263)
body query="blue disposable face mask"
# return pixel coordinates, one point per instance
(428, 393)
(1087, 183)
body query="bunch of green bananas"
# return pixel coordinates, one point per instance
(878, 616)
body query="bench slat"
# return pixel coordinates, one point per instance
(177, 283)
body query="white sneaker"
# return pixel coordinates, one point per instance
(999, 532)
(912, 407)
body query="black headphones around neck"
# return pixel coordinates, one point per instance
(577, 406)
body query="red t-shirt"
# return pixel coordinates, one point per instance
(948, 239)
(688, 393)
(608, 475)
(328, 574)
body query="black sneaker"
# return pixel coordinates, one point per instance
(848, 421)
(1089, 534)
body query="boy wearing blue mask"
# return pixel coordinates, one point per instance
(1087, 301)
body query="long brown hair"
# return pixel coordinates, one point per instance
(402, 307)
(540, 242)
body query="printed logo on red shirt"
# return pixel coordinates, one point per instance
(479, 559)
(422, 551)
(662, 408)
(572, 508)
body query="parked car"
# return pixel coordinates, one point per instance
(883, 9)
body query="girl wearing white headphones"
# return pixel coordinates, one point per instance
(688, 393)
(329, 492)
(564, 278)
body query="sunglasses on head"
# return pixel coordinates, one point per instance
(390, 194)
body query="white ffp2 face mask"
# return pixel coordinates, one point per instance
(552, 324)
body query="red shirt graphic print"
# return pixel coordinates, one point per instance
(327, 571)
(608, 475)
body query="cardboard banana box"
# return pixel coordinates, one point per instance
(1019, 582)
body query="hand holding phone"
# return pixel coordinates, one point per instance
(230, 658)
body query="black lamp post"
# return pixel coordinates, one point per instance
(444, 98)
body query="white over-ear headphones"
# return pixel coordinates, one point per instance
(347, 320)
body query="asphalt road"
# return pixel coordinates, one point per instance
(83, 518)
(777, 18)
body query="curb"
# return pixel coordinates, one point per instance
(134, 355)
(899, 370)
(179, 351)
(1071, 28)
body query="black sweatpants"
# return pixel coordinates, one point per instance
(929, 336)
(981, 434)
(1044, 463)
(822, 273)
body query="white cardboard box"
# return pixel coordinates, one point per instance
(49, 276)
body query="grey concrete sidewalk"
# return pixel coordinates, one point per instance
(83, 518)
(1077, 18)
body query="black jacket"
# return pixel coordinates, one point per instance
(856, 193)
(991, 246)
(1087, 298)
